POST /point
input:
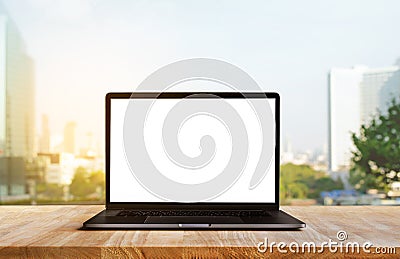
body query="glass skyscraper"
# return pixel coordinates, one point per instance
(343, 114)
(377, 88)
(17, 111)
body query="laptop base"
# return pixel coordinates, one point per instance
(107, 219)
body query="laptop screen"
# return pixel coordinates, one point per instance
(192, 150)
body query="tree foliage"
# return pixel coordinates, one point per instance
(301, 181)
(84, 183)
(376, 160)
(54, 191)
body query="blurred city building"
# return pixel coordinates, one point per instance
(355, 95)
(315, 158)
(287, 154)
(17, 111)
(60, 167)
(343, 114)
(69, 137)
(44, 140)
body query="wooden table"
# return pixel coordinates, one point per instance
(54, 231)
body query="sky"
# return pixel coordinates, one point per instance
(83, 49)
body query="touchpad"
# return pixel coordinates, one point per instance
(192, 220)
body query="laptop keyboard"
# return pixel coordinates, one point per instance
(235, 213)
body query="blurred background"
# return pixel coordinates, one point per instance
(335, 64)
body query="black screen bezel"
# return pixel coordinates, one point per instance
(195, 205)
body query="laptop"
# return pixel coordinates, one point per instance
(192, 160)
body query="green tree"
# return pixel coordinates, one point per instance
(97, 179)
(301, 181)
(324, 183)
(80, 186)
(85, 184)
(50, 191)
(376, 160)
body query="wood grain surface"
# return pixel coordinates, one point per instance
(54, 231)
